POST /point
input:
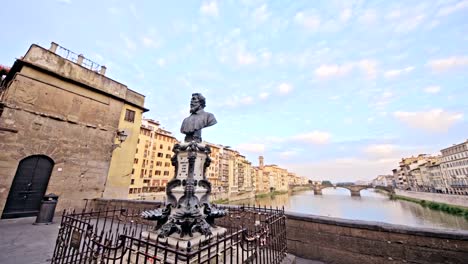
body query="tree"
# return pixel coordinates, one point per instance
(327, 183)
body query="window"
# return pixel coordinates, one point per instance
(135, 161)
(160, 155)
(133, 171)
(158, 163)
(129, 115)
(167, 164)
(168, 156)
(161, 146)
(166, 173)
(168, 147)
(158, 172)
(132, 181)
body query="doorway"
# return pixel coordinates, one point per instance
(28, 187)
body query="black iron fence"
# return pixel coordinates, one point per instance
(248, 234)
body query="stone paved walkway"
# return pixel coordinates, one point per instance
(22, 242)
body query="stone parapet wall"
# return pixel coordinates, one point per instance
(460, 200)
(334, 240)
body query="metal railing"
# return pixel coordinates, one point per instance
(253, 235)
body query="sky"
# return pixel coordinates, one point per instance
(331, 90)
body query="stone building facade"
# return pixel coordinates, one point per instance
(454, 168)
(58, 125)
(152, 168)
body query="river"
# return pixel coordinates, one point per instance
(371, 206)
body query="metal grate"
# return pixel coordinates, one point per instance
(254, 235)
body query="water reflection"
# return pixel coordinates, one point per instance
(371, 206)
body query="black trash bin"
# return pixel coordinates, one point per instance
(47, 210)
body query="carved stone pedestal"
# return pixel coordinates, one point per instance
(187, 211)
(183, 246)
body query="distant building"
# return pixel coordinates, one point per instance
(454, 168)
(152, 167)
(60, 118)
(383, 180)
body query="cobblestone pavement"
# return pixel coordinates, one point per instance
(22, 242)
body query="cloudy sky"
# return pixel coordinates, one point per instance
(335, 90)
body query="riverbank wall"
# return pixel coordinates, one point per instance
(459, 200)
(334, 240)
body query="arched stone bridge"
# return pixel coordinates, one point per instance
(354, 189)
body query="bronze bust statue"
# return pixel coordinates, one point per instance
(198, 119)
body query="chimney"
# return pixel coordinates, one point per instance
(103, 70)
(53, 47)
(80, 59)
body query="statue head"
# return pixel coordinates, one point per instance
(197, 102)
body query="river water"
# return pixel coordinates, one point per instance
(371, 206)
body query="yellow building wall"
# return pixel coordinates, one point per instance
(120, 170)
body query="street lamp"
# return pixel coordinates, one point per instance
(121, 136)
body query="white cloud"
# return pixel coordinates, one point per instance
(210, 8)
(380, 149)
(261, 14)
(310, 22)
(445, 64)
(266, 56)
(432, 89)
(284, 88)
(333, 70)
(369, 17)
(263, 95)
(346, 14)
(246, 100)
(130, 44)
(114, 10)
(251, 148)
(436, 120)
(387, 94)
(368, 67)
(449, 9)
(161, 62)
(344, 169)
(149, 42)
(235, 101)
(314, 137)
(409, 23)
(245, 58)
(397, 72)
(288, 154)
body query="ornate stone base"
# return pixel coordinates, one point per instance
(175, 241)
(183, 241)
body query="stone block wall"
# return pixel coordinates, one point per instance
(333, 240)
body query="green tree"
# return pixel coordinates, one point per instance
(327, 183)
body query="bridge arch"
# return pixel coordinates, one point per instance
(354, 189)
